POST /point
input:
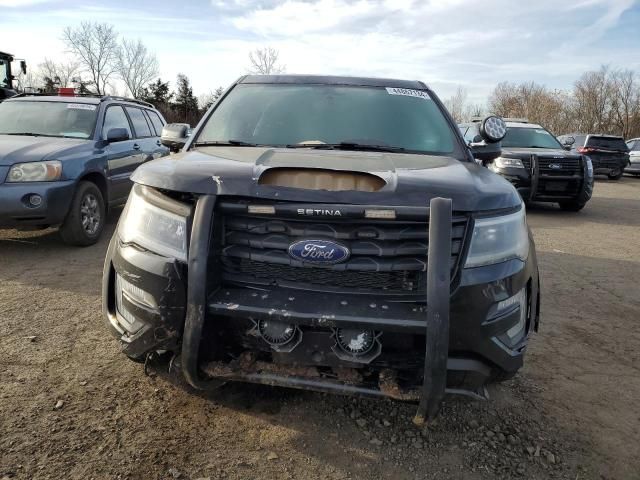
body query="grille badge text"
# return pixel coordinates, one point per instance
(310, 212)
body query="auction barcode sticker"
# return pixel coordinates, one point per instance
(408, 92)
(81, 106)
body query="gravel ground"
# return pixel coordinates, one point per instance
(71, 406)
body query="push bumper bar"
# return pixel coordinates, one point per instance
(433, 389)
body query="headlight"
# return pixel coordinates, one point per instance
(153, 227)
(496, 239)
(35, 172)
(504, 162)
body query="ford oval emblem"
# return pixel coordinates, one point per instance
(555, 166)
(318, 251)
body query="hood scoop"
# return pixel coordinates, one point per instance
(321, 179)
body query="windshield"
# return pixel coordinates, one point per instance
(313, 115)
(4, 74)
(52, 119)
(518, 137)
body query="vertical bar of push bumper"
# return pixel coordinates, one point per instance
(197, 289)
(534, 174)
(438, 293)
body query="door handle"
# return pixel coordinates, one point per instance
(159, 143)
(136, 146)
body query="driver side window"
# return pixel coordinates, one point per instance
(115, 117)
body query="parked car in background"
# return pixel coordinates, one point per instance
(634, 157)
(172, 133)
(608, 153)
(64, 161)
(327, 233)
(538, 166)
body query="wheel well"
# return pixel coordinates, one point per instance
(101, 183)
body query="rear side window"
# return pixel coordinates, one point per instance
(608, 143)
(140, 125)
(114, 117)
(579, 141)
(156, 121)
(633, 144)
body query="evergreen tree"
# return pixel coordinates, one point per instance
(186, 104)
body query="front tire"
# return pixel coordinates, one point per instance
(615, 174)
(85, 220)
(576, 204)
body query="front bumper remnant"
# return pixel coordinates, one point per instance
(433, 389)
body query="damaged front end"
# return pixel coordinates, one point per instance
(230, 299)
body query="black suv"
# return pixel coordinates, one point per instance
(537, 164)
(65, 160)
(326, 233)
(609, 153)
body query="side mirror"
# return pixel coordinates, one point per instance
(117, 135)
(175, 136)
(23, 67)
(568, 141)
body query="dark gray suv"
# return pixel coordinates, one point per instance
(65, 160)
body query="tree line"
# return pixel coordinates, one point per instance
(601, 101)
(98, 61)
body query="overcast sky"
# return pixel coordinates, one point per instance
(471, 43)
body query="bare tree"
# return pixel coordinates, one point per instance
(264, 61)
(458, 107)
(551, 108)
(30, 82)
(602, 101)
(61, 73)
(626, 101)
(593, 93)
(136, 65)
(95, 46)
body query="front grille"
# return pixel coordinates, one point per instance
(401, 280)
(557, 181)
(569, 166)
(386, 256)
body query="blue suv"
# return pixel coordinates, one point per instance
(64, 161)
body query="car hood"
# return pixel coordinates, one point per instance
(557, 153)
(19, 149)
(411, 180)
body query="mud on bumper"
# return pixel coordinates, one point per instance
(419, 354)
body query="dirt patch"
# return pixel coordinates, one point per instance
(72, 406)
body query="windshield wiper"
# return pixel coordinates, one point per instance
(29, 134)
(228, 143)
(348, 146)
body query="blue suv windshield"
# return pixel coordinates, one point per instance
(314, 115)
(51, 119)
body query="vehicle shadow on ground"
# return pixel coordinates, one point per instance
(68, 268)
